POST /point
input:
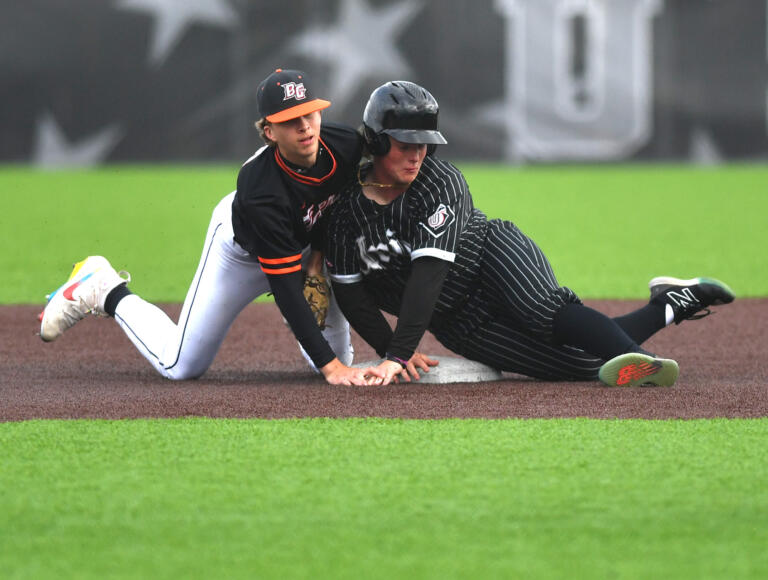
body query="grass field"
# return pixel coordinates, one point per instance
(197, 498)
(374, 498)
(606, 231)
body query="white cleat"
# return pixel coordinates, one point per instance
(84, 292)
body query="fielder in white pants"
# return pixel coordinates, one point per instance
(227, 279)
(275, 214)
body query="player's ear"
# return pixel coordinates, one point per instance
(267, 128)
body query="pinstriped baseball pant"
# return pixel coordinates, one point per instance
(507, 322)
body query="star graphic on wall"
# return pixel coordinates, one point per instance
(173, 17)
(359, 46)
(52, 149)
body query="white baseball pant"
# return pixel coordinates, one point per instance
(227, 279)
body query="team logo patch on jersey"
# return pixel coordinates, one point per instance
(437, 224)
(294, 91)
(438, 218)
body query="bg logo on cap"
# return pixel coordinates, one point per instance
(286, 95)
(294, 91)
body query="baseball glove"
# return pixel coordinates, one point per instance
(317, 293)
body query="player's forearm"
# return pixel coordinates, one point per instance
(418, 304)
(363, 315)
(287, 289)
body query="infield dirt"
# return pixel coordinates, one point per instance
(93, 371)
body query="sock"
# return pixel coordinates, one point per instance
(643, 323)
(669, 314)
(114, 297)
(592, 331)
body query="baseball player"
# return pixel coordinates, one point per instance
(405, 238)
(258, 239)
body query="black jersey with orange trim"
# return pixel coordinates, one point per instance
(276, 212)
(278, 205)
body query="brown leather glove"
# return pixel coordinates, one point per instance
(317, 293)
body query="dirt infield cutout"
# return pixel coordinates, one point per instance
(93, 371)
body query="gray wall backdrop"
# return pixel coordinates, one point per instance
(85, 82)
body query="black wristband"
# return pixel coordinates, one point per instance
(398, 360)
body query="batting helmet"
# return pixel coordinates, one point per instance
(403, 110)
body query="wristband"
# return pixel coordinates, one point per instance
(398, 360)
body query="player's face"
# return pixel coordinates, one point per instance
(401, 164)
(297, 138)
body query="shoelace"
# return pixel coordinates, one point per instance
(70, 314)
(700, 315)
(92, 311)
(96, 291)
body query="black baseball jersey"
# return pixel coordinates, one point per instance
(498, 299)
(275, 212)
(278, 205)
(435, 217)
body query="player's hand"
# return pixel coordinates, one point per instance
(388, 371)
(420, 361)
(337, 373)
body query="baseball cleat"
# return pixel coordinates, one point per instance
(687, 298)
(84, 292)
(635, 369)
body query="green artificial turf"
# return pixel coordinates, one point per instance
(383, 498)
(196, 498)
(606, 230)
(148, 220)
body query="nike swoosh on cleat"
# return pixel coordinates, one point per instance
(70, 289)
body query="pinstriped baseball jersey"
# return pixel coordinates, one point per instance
(435, 217)
(499, 298)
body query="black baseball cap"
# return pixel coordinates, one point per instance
(286, 95)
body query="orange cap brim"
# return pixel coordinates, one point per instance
(299, 111)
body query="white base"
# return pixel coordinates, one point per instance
(451, 370)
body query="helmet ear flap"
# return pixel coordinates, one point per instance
(378, 143)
